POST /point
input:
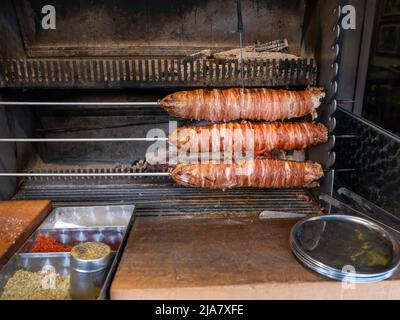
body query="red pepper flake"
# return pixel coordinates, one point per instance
(48, 244)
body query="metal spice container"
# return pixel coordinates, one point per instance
(89, 266)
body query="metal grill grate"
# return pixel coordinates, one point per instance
(120, 73)
(160, 196)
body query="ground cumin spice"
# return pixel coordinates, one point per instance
(48, 244)
(27, 285)
(90, 251)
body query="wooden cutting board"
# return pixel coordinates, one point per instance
(18, 219)
(176, 258)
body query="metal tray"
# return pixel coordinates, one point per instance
(71, 237)
(61, 261)
(97, 216)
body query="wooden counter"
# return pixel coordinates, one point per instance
(176, 258)
(18, 219)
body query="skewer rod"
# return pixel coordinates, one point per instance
(122, 174)
(83, 140)
(56, 103)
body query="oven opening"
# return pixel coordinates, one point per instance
(97, 83)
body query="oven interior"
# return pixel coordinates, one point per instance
(139, 51)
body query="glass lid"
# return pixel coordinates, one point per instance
(341, 243)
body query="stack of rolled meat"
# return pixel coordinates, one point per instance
(261, 106)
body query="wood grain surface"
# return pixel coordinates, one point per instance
(18, 219)
(178, 258)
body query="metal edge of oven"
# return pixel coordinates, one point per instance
(105, 291)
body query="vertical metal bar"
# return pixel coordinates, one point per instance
(63, 67)
(223, 64)
(19, 73)
(153, 71)
(179, 70)
(140, 70)
(103, 71)
(84, 72)
(291, 72)
(166, 70)
(211, 71)
(47, 74)
(198, 71)
(217, 72)
(96, 70)
(111, 63)
(52, 66)
(2, 82)
(173, 70)
(89, 65)
(125, 68)
(146, 70)
(159, 71)
(25, 70)
(191, 71)
(185, 71)
(37, 72)
(129, 71)
(230, 76)
(133, 70)
(274, 72)
(77, 74)
(237, 72)
(205, 71)
(117, 75)
(122, 70)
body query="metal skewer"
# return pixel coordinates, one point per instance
(118, 174)
(81, 139)
(94, 174)
(57, 103)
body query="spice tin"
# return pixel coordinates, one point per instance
(88, 275)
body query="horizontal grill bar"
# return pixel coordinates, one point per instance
(82, 139)
(88, 174)
(66, 104)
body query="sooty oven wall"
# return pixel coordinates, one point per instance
(155, 28)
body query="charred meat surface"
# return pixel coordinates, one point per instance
(248, 173)
(246, 104)
(245, 136)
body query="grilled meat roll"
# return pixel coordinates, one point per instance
(248, 173)
(246, 136)
(235, 104)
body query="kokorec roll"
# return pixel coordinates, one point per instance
(248, 173)
(245, 137)
(235, 104)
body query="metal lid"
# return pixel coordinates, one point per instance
(345, 248)
(101, 257)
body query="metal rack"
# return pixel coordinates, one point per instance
(153, 73)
